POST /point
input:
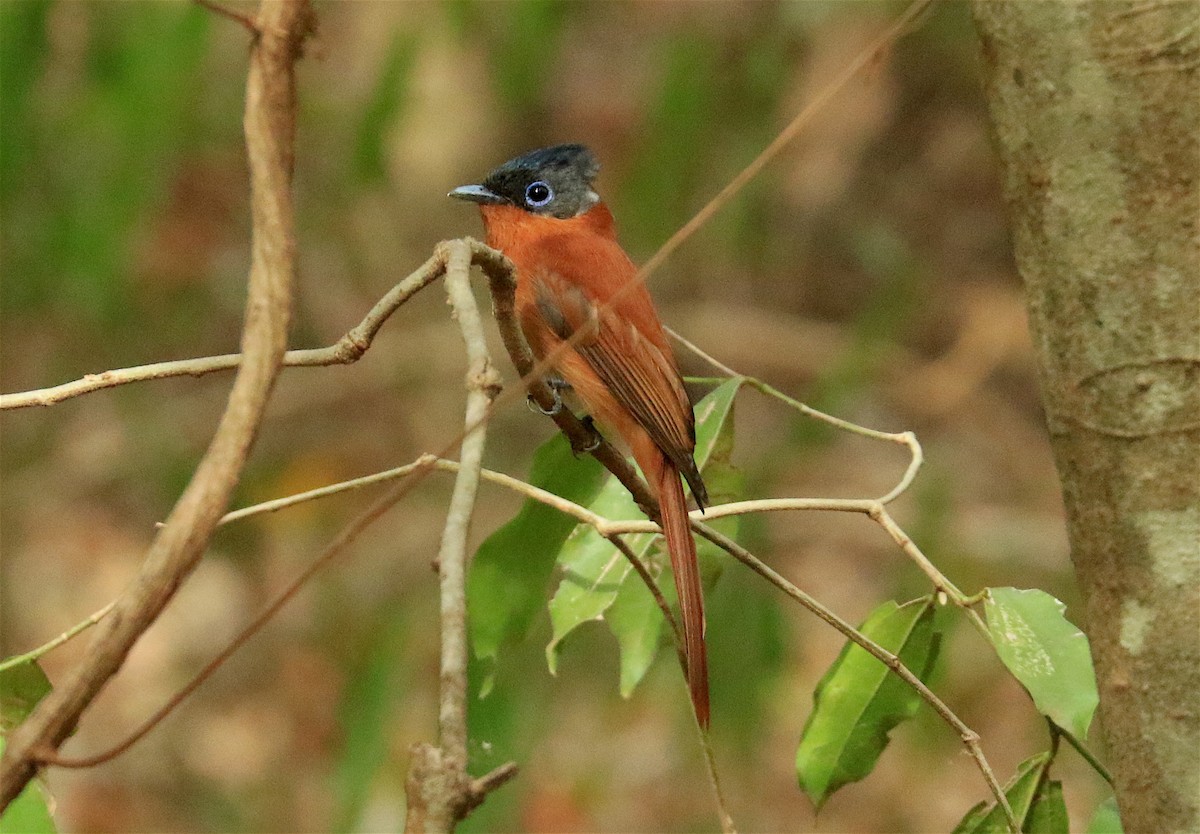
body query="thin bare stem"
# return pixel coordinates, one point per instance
(345, 351)
(45, 648)
(864, 59)
(969, 737)
(335, 548)
(244, 20)
(907, 438)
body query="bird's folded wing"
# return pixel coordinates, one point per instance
(640, 376)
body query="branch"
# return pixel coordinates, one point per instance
(269, 126)
(611, 530)
(345, 351)
(969, 737)
(440, 790)
(49, 646)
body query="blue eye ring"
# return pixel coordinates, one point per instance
(538, 194)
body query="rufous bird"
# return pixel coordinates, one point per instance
(575, 283)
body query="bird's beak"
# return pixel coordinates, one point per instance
(477, 194)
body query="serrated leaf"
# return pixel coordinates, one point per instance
(1106, 819)
(511, 569)
(1021, 791)
(21, 687)
(859, 701)
(1046, 653)
(595, 572)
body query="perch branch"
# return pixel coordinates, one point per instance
(269, 127)
(440, 790)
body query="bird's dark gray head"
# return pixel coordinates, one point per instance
(555, 181)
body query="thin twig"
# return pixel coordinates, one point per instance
(968, 736)
(269, 128)
(335, 548)
(245, 20)
(1088, 756)
(786, 136)
(345, 351)
(482, 384)
(73, 631)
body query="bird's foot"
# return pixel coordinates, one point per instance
(594, 440)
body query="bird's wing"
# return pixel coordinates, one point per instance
(642, 378)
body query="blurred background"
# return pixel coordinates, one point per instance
(867, 271)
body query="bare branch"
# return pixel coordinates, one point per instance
(51, 645)
(345, 351)
(440, 790)
(270, 126)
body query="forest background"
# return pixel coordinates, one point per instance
(867, 271)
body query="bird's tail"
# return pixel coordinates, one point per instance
(682, 548)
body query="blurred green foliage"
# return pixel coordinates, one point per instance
(120, 143)
(84, 165)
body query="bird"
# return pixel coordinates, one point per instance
(577, 285)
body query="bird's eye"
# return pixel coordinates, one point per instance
(538, 194)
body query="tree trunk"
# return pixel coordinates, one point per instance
(1095, 109)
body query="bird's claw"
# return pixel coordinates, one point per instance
(595, 437)
(557, 386)
(534, 405)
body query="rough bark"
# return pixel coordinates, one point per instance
(1096, 110)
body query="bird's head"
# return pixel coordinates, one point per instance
(554, 182)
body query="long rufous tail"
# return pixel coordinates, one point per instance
(687, 584)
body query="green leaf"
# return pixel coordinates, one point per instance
(595, 572)
(1049, 812)
(638, 632)
(593, 569)
(1046, 653)
(859, 701)
(637, 624)
(1106, 819)
(511, 569)
(972, 818)
(21, 687)
(1026, 787)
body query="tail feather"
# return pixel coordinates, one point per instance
(682, 548)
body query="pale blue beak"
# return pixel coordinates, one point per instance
(477, 194)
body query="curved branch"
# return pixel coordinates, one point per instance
(269, 126)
